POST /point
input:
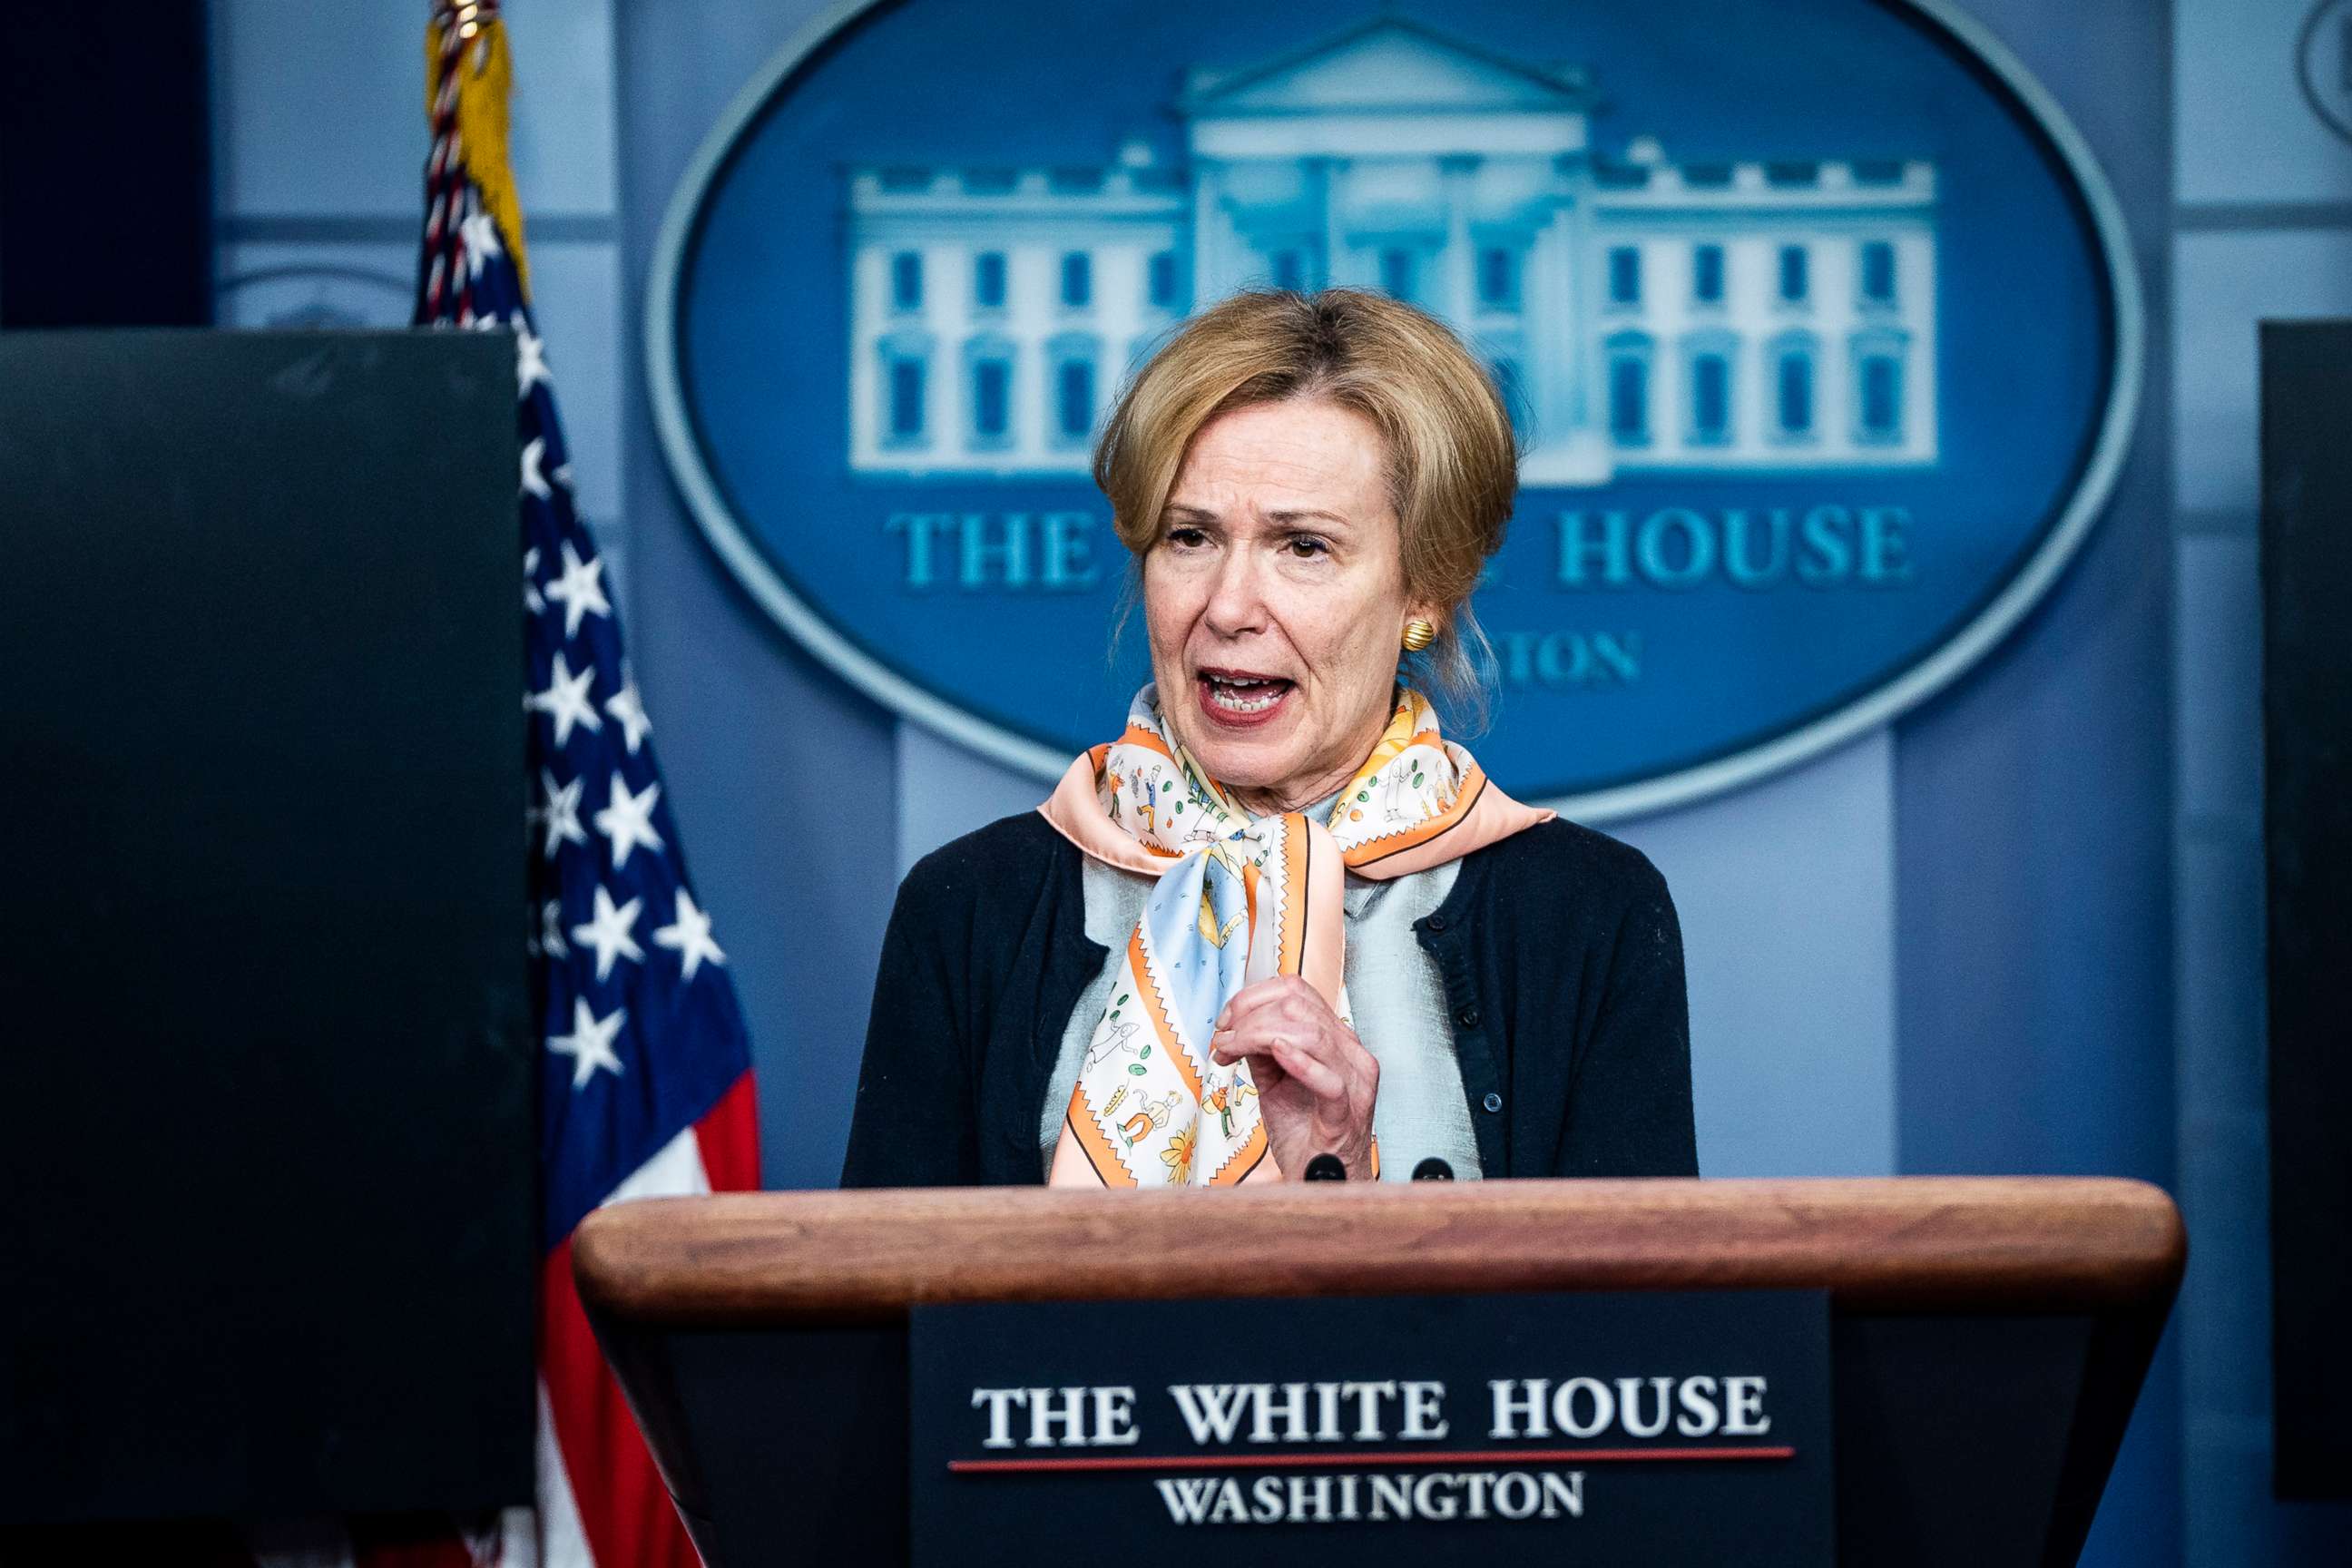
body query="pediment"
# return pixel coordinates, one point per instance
(1386, 64)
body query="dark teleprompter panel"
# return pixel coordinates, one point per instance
(267, 1073)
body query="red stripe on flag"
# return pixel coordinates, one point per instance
(730, 1136)
(625, 1510)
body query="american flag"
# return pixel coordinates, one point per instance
(645, 1071)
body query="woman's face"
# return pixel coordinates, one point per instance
(1275, 597)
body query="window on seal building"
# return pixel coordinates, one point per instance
(988, 279)
(1707, 274)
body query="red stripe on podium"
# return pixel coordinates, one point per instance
(1417, 1457)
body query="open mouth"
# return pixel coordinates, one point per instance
(1239, 697)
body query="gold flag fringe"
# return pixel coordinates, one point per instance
(484, 86)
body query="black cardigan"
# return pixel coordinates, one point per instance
(1562, 962)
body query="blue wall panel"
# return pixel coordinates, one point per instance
(2033, 801)
(783, 779)
(2264, 231)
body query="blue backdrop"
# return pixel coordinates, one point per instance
(2020, 357)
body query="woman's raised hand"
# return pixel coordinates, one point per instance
(1316, 1081)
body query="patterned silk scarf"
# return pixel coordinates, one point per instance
(1239, 898)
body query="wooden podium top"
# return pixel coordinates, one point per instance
(2018, 1244)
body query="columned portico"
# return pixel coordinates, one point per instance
(1454, 174)
(1641, 315)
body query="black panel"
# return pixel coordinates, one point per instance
(105, 164)
(2306, 392)
(267, 1081)
(811, 1470)
(1935, 1414)
(1975, 1441)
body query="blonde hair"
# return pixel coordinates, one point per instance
(1453, 457)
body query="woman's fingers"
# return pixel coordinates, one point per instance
(1301, 1036)
(1295, 1055)
(1320, 1063)
(1308, 1023)
(1226, 1047)
(1286, 1029)
(1322, 1080)
(1267, 1070)
(1275, 992)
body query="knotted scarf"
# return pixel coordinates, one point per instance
(1239, 898)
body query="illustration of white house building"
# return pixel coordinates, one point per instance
(1640, 314)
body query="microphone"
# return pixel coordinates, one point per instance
(1432, 1170)
(1325, 1168)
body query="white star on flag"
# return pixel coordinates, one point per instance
(628, 820)
(562, 814)
(590, 1043)
(551, 928)
(580, 592)
(690, 936)
(609, 932)
(629, 708)
(531, 599)
(480, 234)
(533, 481)
(531, 360)
(565, 700)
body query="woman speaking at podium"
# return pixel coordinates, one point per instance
(1282, 916)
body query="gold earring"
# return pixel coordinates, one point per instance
(1418, 635)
